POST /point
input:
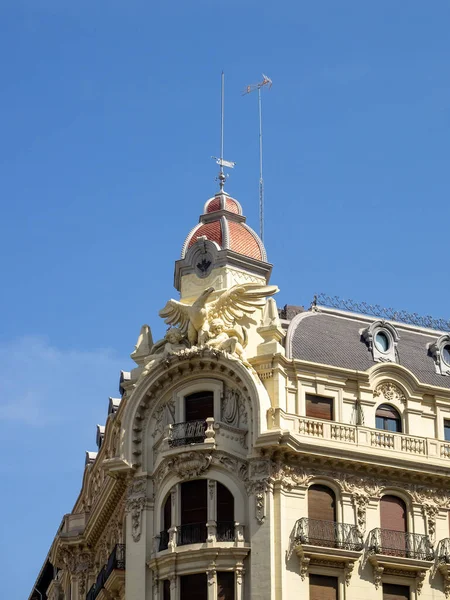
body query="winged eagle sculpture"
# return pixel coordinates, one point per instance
(230, 307)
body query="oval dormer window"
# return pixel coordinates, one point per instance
(446, 354)
(382, 341)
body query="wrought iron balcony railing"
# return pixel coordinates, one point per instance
(443, 551)
(225, 531)
(398, 543)
(163, 540)
(327, 534)
(192, 533)
(199, 533)
(191, 432)
(116, 561)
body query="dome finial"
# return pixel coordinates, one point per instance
(220, 161)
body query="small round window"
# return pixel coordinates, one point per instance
(382, 341)
(446, 354)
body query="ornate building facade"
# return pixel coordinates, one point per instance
(264, 453)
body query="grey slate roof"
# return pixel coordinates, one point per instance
(335, 339)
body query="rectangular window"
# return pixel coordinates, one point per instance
(193, 586)
(319, 407)
(447, 430)
(166, 589)
(225, 585)
(199, 406)
(395, 592)
(322, 587)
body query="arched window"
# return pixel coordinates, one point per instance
(199, 406)
(388, 418)
(167, 523)
(321, 516)
(394, 526)
(224, 514)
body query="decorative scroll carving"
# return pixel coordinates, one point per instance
(233, 409)
(164, 415)
(390, 392)
(185, 465)
(430, 513)
(259, 490)
(135, 504)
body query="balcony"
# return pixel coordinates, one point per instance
(111, 575)
(358, 439)
(394, 552)
(326, 543)
(190, 432)
(327, 534)
(400, 544)
(200, 533)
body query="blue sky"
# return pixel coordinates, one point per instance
(109, 114)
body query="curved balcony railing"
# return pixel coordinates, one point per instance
(192, 533)
(225, 531)
(191, 432)
(327, 534)
(398, 543)
(443, 551)
(199, 533)
(163, 540)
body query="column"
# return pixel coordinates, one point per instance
(212, 512)
(211, 576)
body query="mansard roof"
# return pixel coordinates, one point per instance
(334, 337)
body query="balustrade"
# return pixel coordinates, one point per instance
(116, 561)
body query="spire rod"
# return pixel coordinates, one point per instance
(221, 161)
(266, 81)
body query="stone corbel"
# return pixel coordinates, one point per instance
(304, 562)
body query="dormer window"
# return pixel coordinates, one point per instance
(440, 351)
(381, 338)
(382, 341)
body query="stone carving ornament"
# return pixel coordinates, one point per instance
(216, 323)
(135, 504)
(233, 409)
(390, 392)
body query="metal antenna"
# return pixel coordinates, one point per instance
(266, 81)
(220, 161)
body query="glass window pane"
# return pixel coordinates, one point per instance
(447, 430)
(382, 342)
(446, 354)
(379, 423)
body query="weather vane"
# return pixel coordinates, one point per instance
(266, 81)
(221, 161)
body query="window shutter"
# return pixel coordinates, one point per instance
(322, 587)
(395, 592)
(384, 410)
(393, 513)
(321, 503)
(318, 407)
(225, 585)
(199, 406)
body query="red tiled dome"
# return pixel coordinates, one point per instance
(222, 202)
(227, 229)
